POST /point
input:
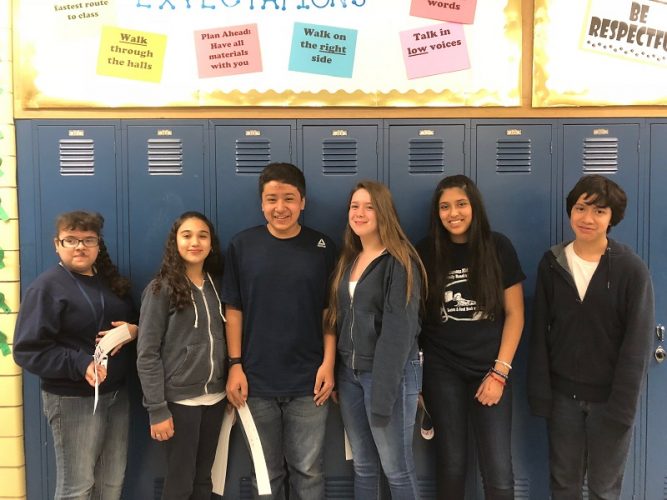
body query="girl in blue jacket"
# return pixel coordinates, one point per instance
(181, 355)
(374, 306)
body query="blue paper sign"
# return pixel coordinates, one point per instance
(323, 50)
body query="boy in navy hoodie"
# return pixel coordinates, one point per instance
(590, 344)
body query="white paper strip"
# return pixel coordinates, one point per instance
(219, 471)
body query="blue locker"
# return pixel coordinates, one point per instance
(656, 444)
(610, 149)
(418, 156)
(64, 166)
(334, 157)
(514, 169)
(242, 150)
(167, 174)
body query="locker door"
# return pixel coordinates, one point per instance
(419, 156)
(514, 169)
(77, 170)
(335, 156)
(656, 440)
(609, 149)
(166, 176)
(242, 150)
(63, 166)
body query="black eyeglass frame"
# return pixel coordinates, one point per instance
(82, 241)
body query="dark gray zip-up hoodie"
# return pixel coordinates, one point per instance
(596, 349)
(180, 354)
(377, 331)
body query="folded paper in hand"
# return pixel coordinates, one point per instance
(111, 339)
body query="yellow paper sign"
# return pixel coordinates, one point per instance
(130, 54)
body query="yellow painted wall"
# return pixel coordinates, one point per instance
(12, 457)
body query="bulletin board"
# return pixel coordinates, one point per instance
(183, 53)
(600, 53)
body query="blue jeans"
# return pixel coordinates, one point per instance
(450, 399)
(292, 431)
(582, 440)
(381, 446)
(91, 450)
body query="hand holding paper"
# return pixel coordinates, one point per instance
(112, 340)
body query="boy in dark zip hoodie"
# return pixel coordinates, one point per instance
(590, 344)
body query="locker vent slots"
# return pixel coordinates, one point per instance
(252, 155)
(513, 156)
(339, 156)
(165, 156)
(426, 156)
(77, 157)
(600, 155)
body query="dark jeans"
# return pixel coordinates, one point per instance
(191, 451)
(450, 399)
(583, 441)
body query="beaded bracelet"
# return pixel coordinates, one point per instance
(497, 379)
(499, 373)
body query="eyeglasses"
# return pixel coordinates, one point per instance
(72, 242)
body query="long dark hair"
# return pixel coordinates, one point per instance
(172, 269)
(392, 236)
(484, 273)
(80, 220)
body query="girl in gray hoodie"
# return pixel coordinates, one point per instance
(181, 356)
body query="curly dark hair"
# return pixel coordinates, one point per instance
(172, 270)
(80, 220)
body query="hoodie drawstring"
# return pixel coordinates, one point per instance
(217, 297)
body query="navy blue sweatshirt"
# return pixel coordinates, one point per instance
(596, 349)
(56, 330)
(377, 329)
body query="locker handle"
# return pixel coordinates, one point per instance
(660, 332)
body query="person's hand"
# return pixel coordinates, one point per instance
(490, 391)
(324, 384)
(237, 386)
(90, 373)
(134, 330)
(162, 431)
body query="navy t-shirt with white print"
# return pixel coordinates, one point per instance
(457, 332)
(281, 286)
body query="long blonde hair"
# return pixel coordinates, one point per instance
(392, 236)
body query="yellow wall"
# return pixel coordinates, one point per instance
(12, 458)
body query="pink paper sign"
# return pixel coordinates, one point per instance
(228, 51)
(436, 49)
(455, 11)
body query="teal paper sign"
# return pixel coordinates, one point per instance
(323, 50)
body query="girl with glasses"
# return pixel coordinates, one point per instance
(63, 313)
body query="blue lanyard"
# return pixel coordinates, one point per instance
(100, 321)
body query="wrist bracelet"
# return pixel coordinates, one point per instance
(504, 363)
(498, 379)
(233, 361)
(499, 373)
